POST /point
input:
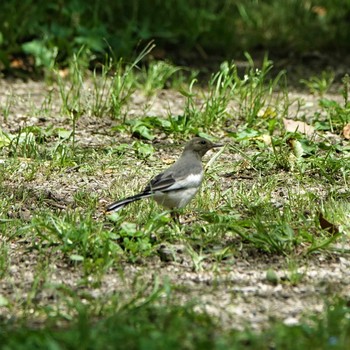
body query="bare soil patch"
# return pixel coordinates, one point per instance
(236, 290)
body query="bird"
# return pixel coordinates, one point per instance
(177, 185)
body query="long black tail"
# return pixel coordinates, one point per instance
(114, 207)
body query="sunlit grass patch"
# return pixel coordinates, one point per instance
(274, 201)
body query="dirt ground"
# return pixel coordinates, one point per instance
(236, 291)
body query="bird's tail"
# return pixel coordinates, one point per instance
(116, 206)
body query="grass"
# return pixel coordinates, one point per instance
(79, 279)
(154, 327)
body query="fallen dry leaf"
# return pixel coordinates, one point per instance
(268, 112)
(346, 131)
(326, 225)
(63, 73)
(264, 138)
(319, 10)
(295, 125)
(295, 147)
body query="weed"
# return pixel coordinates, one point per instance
(255, 94)
(319, 85)
(80, 239)
(173, 326)
(155, 76)
(4, 258)
(6, 108)
(337, 114)
(121, 83)
(221, 89)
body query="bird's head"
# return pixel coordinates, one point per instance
(200, 145)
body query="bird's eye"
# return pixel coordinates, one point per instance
(203, 142)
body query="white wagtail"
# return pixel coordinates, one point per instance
(177, 185)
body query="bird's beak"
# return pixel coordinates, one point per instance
(216, 145)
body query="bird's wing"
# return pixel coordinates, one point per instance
(161, 182)
(167, 182)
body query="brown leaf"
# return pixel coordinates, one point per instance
(17, 63)
(63, 73)
(346, 131)
(295, 125)
(326, 225)
(319, 10)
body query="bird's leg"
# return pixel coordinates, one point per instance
(175, 216)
